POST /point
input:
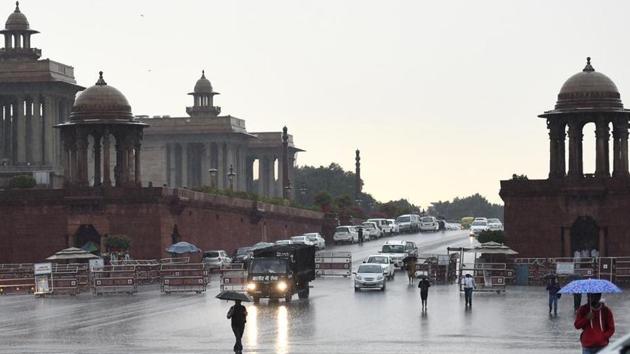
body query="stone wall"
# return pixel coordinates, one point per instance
(37, 223)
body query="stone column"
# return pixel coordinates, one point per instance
(557, 135)
(185, 165)
(73, 163)
(205, 165)
(261, 174)
(602, 134)
(49, 133)
(620, 147)
(138, 176)
(97, 160)
(221, 171)
(36, 130)
(106, 163)
(575, 149)
(3, 137)
(82, 163)
(21, 130)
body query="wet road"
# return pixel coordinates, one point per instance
(334, 320)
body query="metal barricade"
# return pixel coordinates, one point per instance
(333, 263)
(65, 279)
(17, 278)
(186, 277)
(147, 271)
(234, 278)
(114, 279)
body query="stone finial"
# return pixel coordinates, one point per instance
(17, 6)
(285, 136)
(100, 81)
(588, 67)
(358, 155)
(203, 74)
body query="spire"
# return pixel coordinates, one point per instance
(100, 81)
(203, 74)
(588, 67)
(17, 6)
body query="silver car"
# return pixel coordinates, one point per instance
(216, 259)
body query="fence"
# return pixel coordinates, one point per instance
(147, 271)
(331, 263)
(17, 278)
(233, 278)
(114, 279)
(183, 277)
(532, 271)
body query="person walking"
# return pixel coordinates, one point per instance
(469, 285)
(596, 322)
(360, 231)
(238, 315)
(553, 288)
(424, 286)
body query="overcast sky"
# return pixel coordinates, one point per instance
(440, 96)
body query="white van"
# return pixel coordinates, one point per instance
(383, 225)
(429, 223)
(408, 223)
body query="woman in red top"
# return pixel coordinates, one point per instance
(597, 324)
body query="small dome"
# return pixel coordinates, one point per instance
(17, 21)
(101, 102)
(203, 85)
(589, 90)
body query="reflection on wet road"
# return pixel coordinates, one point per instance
(334, 319)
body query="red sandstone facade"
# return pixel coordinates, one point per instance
(38, 223)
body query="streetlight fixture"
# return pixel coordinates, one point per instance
(213, 177)
(231, 176)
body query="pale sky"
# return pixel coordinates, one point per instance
(440, 96)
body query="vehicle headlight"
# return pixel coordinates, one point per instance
(282, 285)
(380, 277)
(251, 286)
(358, 277)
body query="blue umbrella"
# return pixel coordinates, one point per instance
(590, 286)
(183, 247)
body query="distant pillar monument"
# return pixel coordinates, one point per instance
(286, 184)
(358, 184)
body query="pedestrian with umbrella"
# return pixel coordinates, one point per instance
(237, 314)
(553, 288)
(594, 318)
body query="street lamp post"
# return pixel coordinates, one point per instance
(231, 176)
(213, 177)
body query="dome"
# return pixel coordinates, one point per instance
(203, 85)
(101, 102)
(589, 90)
(17, 21)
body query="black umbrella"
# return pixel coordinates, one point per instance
(233, 296)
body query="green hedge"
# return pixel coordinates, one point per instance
(22, 182)
(494, 236)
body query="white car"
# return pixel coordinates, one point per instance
(477, 227)
(302, 240)
(386, 262)
(453, 226)
(495, 225)
(317, 239)
(429, 223)
(369, 276)
(346, 233)
(382, 225)
(216, 259)
(399, 250)
(284, 242)
(372, 230)
(392, 223)
(408, 223)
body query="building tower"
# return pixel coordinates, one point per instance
(34, 96)
(286, 183)
(203, 99)
(102, 113)
(358, 183)
(573, 211)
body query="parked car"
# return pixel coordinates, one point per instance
(453, 226)
(477, 227)
(429, 223)
(302, 240)
(394, 225)
(370, 228)
(216, 259)
(408, 223)
(495, 225)
(260, 245)
(386, 262)
(242, 255)
(284, 242)
(398, 250)
(369, 276)
(346, 234)
(382, 225)
(317, 239)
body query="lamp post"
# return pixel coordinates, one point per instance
(213, 177)
(231, 176)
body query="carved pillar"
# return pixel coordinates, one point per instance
(620, 147)
(36, 133)
(221, 171)
(97, 160)
(556, 148)
(21, 130)
(138, 176)
(602, 135)
(185, 165)
(49, 132)
(82, 164)
(106, 163)
(575, 149)
(261, 174)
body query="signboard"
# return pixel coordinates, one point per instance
(42, 284)
(96, 264)
(565, 268)
(42, 268)
(443, 259)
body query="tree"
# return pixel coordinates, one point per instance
(117, 243)
(395, 208)
(323, 200)
(474, 205)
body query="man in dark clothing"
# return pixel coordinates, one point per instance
(597, 324)
(360, 231)
(238, 314)
(424, 285)
(553, 288)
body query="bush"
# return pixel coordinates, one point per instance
(117, 242)
(22, 182)
(494, 236)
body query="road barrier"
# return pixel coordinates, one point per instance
(114, 279)
(65, 279)
(147, 271)
(233, 278)
(333, 263)
(438, 268)
(183, 277)
(17, 279)
(533, 271)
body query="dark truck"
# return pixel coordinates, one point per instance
(280, 271)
